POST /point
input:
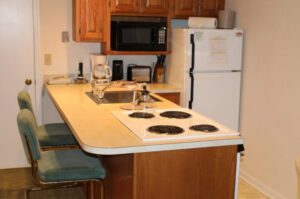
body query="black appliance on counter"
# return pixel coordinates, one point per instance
(117, 70)
(138, 33)
(139, 73)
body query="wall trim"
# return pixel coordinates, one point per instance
(260, 186)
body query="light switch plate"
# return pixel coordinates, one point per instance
(65, 36)
(48, 59)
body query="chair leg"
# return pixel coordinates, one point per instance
(95, 190)
(27, 191)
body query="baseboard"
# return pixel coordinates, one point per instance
(263, 188)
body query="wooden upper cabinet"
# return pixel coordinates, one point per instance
(124, 6)
(185, 8)
(88, 19)
(155, 6)
(210, 8)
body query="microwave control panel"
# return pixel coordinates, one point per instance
(162, 35)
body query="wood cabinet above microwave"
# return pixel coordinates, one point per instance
(139, 7)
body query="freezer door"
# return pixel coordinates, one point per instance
(217, 95)
(217, 50)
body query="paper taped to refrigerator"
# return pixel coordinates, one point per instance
(218, 50)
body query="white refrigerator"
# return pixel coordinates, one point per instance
(206, 65)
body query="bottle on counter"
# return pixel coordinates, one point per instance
(159, 70)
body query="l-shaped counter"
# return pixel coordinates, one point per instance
(136, 169)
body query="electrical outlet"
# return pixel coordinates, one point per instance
(48, 59)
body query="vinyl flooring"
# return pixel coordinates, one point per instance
(13, 182)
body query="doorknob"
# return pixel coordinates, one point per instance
(28, 81)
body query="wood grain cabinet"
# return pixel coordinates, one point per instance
(155, 6)
(88, 20)
(203, 8)
(185, 8)
(173, 97)
(139, 6)
(124, 6)
(210, 8)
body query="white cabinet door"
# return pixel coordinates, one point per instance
(17, 64)
(217, 95)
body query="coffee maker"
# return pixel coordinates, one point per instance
(100, 71)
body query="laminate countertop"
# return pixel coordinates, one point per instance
(99, 132)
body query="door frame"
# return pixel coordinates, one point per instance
(37, 69)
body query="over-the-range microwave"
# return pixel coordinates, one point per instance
(138, 33)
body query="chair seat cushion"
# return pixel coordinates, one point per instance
(68, 165)
(56, 134)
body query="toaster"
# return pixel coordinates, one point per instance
(139, 73)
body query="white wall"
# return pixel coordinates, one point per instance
(270, 117)
(55, 16)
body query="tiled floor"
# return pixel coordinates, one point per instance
(14, 181)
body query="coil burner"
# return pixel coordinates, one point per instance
(165, 129)
(142, 115)
(176, 114)
(204, 128)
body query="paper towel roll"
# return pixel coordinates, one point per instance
(202, 22)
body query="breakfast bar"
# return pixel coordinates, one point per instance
(199, 167)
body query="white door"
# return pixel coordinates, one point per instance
(16, 65)
(217, 50)
(217, 96)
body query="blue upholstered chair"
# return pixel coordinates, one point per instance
(56, 135)
(56, 168)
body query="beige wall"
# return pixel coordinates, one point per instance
(55, 16)
(270, 112)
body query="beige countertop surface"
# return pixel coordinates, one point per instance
(99, 132)
(162, 88)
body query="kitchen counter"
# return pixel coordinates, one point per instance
(169, 169)
(99, 132)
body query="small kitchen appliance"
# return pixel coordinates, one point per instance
(138, 33)
(100, 74)
(117, 70)
(140, 74)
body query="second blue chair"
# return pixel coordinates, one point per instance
(55, 135)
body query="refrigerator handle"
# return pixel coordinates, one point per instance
(191, 72)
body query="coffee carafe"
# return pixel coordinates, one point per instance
(100, 71)
(100, 75)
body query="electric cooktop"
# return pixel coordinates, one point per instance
(171, 124)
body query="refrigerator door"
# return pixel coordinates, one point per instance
(217, 95)
(216, 50)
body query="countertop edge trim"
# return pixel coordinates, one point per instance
(164, 147)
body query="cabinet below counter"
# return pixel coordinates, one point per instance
(166, 91)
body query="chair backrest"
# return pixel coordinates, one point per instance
(27, 128)
(24, 101)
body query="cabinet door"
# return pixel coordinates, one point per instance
(210, 8)
(88, 20)
(173, 97)
(155, 6)
(121, 6)
(185, 8)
